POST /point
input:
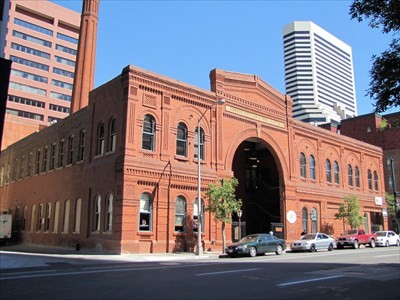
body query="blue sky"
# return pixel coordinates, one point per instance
(185, 40)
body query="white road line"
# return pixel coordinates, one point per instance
(225, 272)
(309, 280)
(387, 255)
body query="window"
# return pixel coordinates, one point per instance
(67, 38)
(180, 214)
(39, 218)
(66, 216)
(366, 223)
(47, 217)
(314, 220)
(100, 139)
(64, 61)
(145, 213)
(196, 141)
(97, 214)
(181, 140)
(33, 213)
(66, 49)
(357, 176)
(31, 51)
(312, 168)
(60, 154)
(336, 172)
(78, 209)
(62, 72)
(304, 219)
(44, 160)
(303, 172)
(29, 63)
(52, 156)
(60, 96)
(376, 181)
(370, 179)
(24, 218)
(328, 170)
(196, 218)
(81, 153)
(33, 26)
(21, 168)
(29, 165)
(28, 89)
(111, 135)
(29, 76)
(148, 133)
(350, 174)
(109, 212)
(70, 153)
(56, 217)
(37, 165)
(62, 84)
(31, 38)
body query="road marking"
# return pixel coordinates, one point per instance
(225, 272)
(309, 280)
(387, 255)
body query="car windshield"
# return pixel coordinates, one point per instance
(308, 237)
(350, 232)
(381, 233)
(249, 239)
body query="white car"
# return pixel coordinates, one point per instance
(313, 242)
(387, 238)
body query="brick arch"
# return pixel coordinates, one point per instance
(189, 115)
(352, 159)
(271, 144)
(303, 147)
(151, 113)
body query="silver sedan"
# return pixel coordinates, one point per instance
(313, 242)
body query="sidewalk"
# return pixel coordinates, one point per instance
(27, 256)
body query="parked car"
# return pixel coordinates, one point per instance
(356, 237)
(313, 242)
(255, 244)
(387, 238)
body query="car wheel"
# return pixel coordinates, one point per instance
(312, 248)
(356, 245)
(330, 248)
(387, 244)
(279, 250)
(372, 243)
(253, 252)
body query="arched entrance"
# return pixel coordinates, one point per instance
(257, 171)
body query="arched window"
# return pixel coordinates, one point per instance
(328, 170)
(148, 133)
(312, 167)
(196, 141)
(47, 217)
(97, 214)
(112, 134)
(366, 223)
(100, 139)
(81, 151)
(180, 214)
(109, 212)
(145, 213)
(336, 172)
(357, 171)
(181, 140)
(350, 174)
(369, 179)
(314, 220)
(376, 181)
(196, 218)
(78, 214)
(303, 171)
(304, 219)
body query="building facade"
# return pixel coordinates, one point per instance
(121, 174)
(318, 73)
(41, 40)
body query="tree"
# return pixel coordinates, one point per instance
(223, 203)
(385, 80)
(349, 212)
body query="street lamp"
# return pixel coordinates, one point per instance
(199, 208)
(239, 214)
(390, 164)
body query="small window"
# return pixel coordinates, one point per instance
(47, 217)
(376, 181)
(336, 172)
(304, 219)
(112, 134)
(97, 214)
(61, 154)
(145, 212)
(357, 176)
(109, 212)
(52, 156)
(180, 214)
(314, 220)
(100, 139)
(70, 153)
(148, 133)
(312, 168)
(181, 140)
(44, 160)
(37, 166)
(81, 153)
(196, 142)
(370, 179)
(78, 212)
(350, 174)
(328, 170)
(303, 172)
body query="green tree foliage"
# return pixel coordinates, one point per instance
(385, 80)
(223, 202)
(349, 212)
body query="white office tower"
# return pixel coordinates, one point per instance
(319, 74)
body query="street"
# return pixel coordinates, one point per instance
(341, 274)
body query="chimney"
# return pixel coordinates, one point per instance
(86, 57)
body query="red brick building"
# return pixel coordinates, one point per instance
(130, 155)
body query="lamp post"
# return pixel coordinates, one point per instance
(239, 214)
(199, 208)
(390, 164)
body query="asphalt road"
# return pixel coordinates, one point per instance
(341, 274)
